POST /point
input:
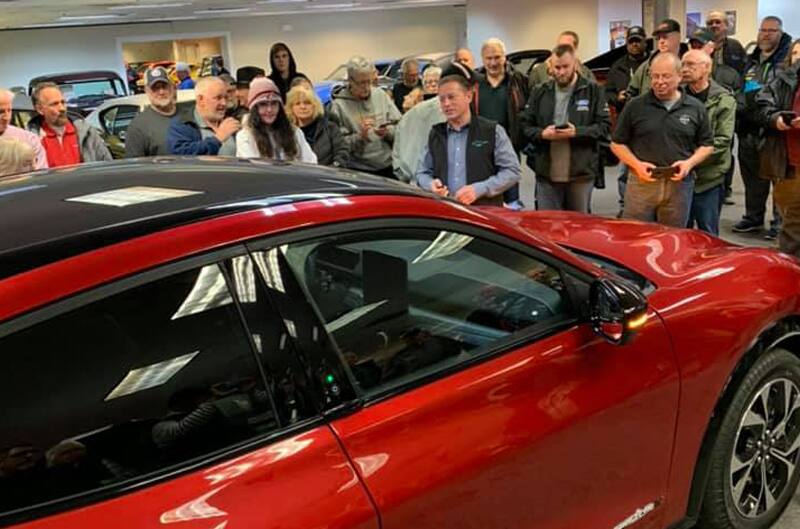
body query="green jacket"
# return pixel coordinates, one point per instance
(721, 106)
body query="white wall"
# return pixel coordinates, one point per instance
(787, 10)
(746, 14)
(609, 10)
(320, 42)
(525, 24)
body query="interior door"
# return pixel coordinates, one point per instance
(487, 402)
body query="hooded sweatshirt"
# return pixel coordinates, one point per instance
(374, 153)
(283, 84)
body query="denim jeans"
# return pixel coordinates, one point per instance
(664, 201)
(622, 182)
(706, 208)
(575, 195)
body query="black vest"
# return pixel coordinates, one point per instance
(480, 154)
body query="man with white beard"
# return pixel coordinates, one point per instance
(147, 133)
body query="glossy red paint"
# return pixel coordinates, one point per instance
(715, 298)
(43, 285)
(296, 483)
(566, 432)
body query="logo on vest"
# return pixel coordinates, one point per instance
(583, 105)
(480, 143)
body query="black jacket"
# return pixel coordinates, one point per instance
(517, 96)
(776, 97)
(733, 55)
(756, 76)
(728, 77)
(588, 111)
(327, 143)
(619, 75)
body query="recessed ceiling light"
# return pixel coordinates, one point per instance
(149, 6)
(332, 6)
(222, 11)
(67, 18)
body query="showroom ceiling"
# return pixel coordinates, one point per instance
(48, 13)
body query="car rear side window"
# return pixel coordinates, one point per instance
(403, 304)
(128, 386)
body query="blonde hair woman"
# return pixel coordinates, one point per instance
(15, 157)
(305, 111)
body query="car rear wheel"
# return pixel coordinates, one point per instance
(754, 463)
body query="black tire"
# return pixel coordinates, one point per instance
(768, 376)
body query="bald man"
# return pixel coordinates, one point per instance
(662, 136)
(9, 131)
(709, 189)
(204, 129)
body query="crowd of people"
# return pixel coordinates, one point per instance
(672, 117)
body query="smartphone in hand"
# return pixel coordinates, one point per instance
(788, 117)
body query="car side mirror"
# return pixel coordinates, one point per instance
(617, 310)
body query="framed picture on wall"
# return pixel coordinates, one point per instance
(731, 22)
(693, 21)
(617, 30)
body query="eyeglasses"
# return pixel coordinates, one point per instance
(691, 64)
(768, 30)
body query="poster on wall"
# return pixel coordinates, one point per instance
(617, 30)
(731, 22)
(693, 21)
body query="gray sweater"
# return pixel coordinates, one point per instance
(147, 135)
(374, 153)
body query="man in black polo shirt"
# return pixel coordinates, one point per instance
(662, 136)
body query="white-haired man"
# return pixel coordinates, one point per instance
(502, 94)
(366, 117)
(204, 129)
(9, 131)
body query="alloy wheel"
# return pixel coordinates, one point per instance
(766, 452)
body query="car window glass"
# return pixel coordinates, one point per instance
(123, 118)
(107, 119)
(133, 384)
(287, 382)
(401, 304)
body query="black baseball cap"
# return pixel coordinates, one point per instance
(636, 32)
(701, 35)
(667, 25)
(456, 68)
(156, 75)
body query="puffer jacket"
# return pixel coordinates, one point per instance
(721, 106)
(91, 144)
(328, 145)
(778, 96)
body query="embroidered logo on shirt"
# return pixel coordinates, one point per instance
(685, 119)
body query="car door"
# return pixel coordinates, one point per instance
(151, 402)
(483, 397)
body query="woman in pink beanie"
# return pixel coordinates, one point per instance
(267, 131)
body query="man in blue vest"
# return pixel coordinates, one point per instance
(468, 157)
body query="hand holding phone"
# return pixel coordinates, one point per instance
(663, 172)
(787, 117)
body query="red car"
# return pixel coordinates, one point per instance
(235, 344)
